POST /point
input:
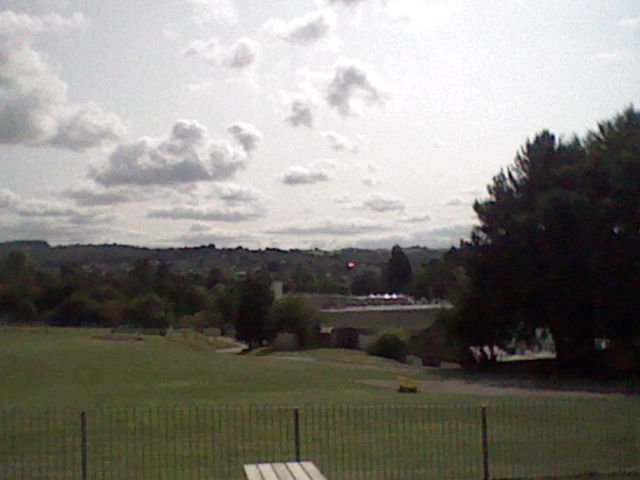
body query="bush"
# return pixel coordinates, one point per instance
(293, 315)
(389, 344)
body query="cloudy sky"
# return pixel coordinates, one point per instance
(289, 123)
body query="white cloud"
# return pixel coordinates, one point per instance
(630, 22)
(214, 11)
(348, 3)
(330, 226)
(33, 99)
(199, 234)
(315, 173)
(609, 57)
(187, 155)
(352, 86)
(306, 30)
(246, 135)
(381, 202)
(339, 142)
(301, 113)
(241, 54)
(424, 14)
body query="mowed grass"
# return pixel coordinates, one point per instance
(57, 367)
(157, 409)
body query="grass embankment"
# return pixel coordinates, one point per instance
(128, 389)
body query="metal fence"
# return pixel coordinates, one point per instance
(506, 440)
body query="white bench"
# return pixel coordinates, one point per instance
(283, 471)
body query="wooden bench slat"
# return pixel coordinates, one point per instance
(267, 472)
(282, 471)
(297, 471)
(252, 472)
(312, 471)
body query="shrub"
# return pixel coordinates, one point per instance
(389, 344)
(293, 315)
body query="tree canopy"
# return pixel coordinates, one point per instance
(398, 270)
(558, 244)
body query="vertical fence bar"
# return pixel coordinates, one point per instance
(83, 444)
(485, 443)
(296, 432)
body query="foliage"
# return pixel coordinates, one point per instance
(389, 344)
(558, 244)
(293, 315)
(398, 270)
(254, 299)
(366, 282)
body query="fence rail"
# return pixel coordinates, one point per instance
(508, 440)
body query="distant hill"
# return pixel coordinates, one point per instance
(202, 259)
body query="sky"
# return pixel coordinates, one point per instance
(289, 123)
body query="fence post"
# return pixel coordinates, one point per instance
(485, 443)
(296, 431)
(83, 444)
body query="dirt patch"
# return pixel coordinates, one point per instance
(119, 338)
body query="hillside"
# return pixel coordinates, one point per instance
(202, 259)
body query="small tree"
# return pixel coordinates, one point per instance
(254, 299)
(293, 315)
(389, 344)
(398, 270)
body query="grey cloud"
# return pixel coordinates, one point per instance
(187, 155)
(246, 135)
(233, 213)
(33, 99)
(65, 215)
(352, 86)
(371, 181)
(55, 232)
(380, 202)
(239, 55)
(232, 193)
(85, 126)
(439, 237)
(419, 218)
(301, 114)
(330, 226)
(305, 30)
(339, 142)
(16, 205)
(314, 173)
(93, 197)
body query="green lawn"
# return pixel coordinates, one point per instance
(73, 368)
(159, 409)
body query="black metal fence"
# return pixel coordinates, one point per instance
(506, 440)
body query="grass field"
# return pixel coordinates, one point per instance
(72, 368)
(161, 409)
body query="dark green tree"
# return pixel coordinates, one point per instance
(293, 315)
(254, 299)
(366, 282)
(558, 244)
(398, 270)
